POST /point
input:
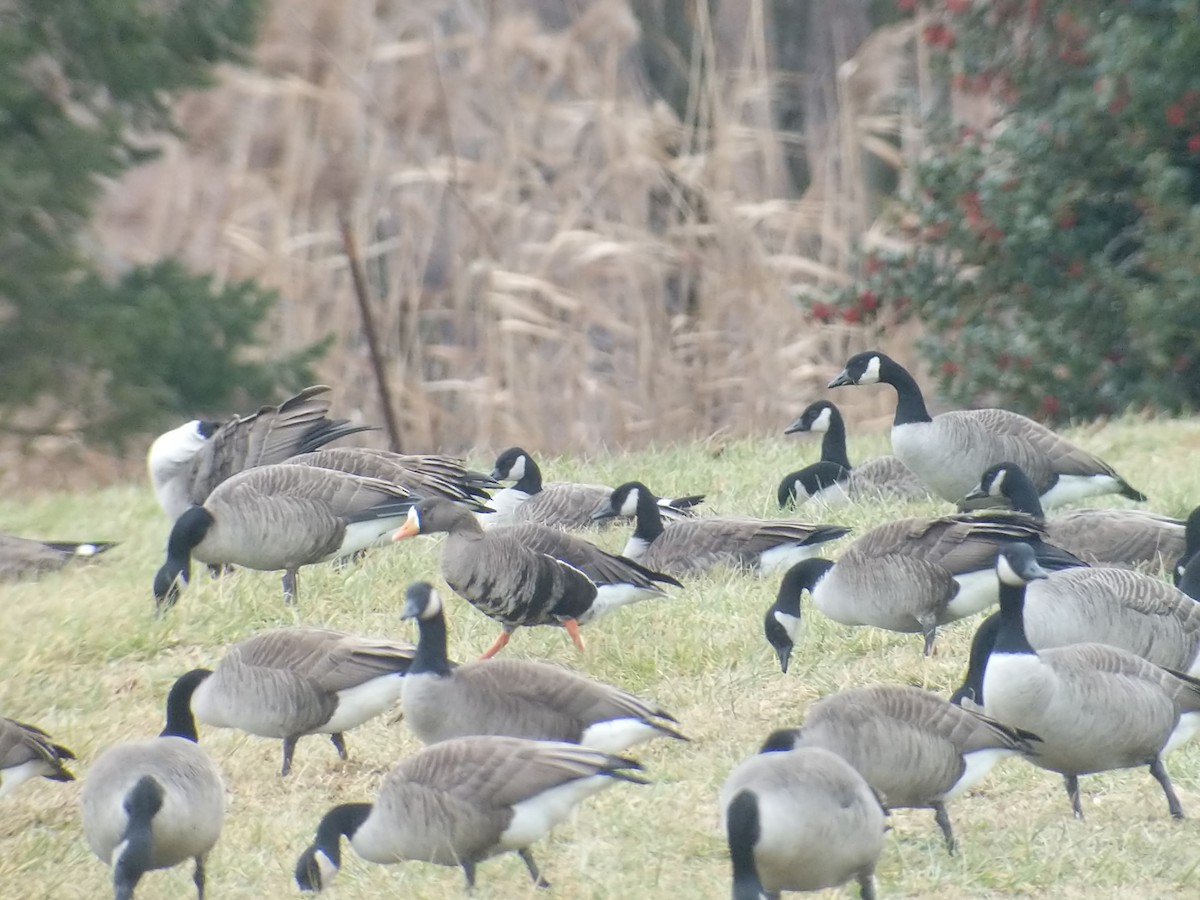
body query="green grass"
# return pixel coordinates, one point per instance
(82, 655)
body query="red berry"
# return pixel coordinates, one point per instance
(958, 6)
(1075, 269)
(1193, 144)
(850, 316)
(868, 301)
(822, 312)
(1050, 406)
(949, 368)
(1176, 115)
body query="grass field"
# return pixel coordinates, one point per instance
(82, 655)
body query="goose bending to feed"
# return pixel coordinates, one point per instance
(908, 576)
(948, 451)
(1108, 537)
(187, 463)
(28, 752)
(696, 545)
(462, 801)
(914, 748)
(280, 517)
(27, 558)
(1094, 707)
(291, 682)
(559, 504)
(800, 820)
(523, 575)
(832, 480)
(425, 476)
(155, 804)
(515, 698)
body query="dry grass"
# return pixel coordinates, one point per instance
(84, 657)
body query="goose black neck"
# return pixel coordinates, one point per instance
(1189, 582)
(1010, 634)
(981, 648)
(743, 829)
(431, 655)
(910, 402)
(1191, 534)
(180, 721)
(341, 820)
(648, 524)
(1023, 495)
(188, 531)
(142, 804)
(531, 481)
(833, 445)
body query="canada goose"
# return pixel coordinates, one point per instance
(529, 574)
(832, 481)
(1189, 581)
(1108, 537)
(459, 802)
(948, 451)
(291, 682)
(187, 463)
(280, 517)
(27, 752)
(800, 820)
(559, 504)
(1191, 545)
(696, 545)
(1094, 707)
(910, 575)
(425, 476)
(154, 804)
(514, 697)
(26, 558)
(914, 748)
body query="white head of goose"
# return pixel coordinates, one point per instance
(529, 574)
(28, 752)
(696, 545)
(462, 801)
(949, 451)
(280, 517)
(800, 820)
(514, 698)
(1094, 707)
(154, 804)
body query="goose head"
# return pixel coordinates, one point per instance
(816, 417)
(870, 367)
(421, 601)
(187, 533)
(782, 621)
(512, 465)
(625, 501)
(435, 515)
(1005, 484)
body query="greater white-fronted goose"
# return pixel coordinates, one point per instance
(832, 481)
(696, 545)
(800, 820)
(28, 752)
(26, 558)
(462, 801)
(948, 451)
(514, 698)
(1094, 707)
(424, 476)
(154, 804)
(291, 682)
(280, 517)
(523, 575)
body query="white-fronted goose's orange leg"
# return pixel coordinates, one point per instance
(500, 644)
(573, 630)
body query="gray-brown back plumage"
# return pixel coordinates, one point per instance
(28, 752)
(424, 476)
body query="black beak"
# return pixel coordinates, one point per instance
(785, 655)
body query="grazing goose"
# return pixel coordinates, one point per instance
(462, 801)
(296, 681)
(914, 748)
(559, 504)
(27, 752)
(910, 575)
(948, 451)
(26, 558)
(696, 545)
(187, 463)
(832, 481)
(1106, 537)
(800, 820)
(1094, 707)
(1191, 545)
(529, 574)
(514, 697)
(280, 517)
(425, 476)
(154, 804)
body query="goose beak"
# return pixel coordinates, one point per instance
(411, 610)
(496, 475)
(410, 528)
(785, 656)
(842, 380)
(604, 512)
(798, 425)
(976, 493)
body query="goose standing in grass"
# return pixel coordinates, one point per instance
(26, 558)
(28, 752)
(1094, 707)
(291, 682)
(155, 804)
(280, 517)
(948, 451)
(908, 576)
(559, 504)
(832, 480)
(187, 463)
(1191, 545)
(462, 801)
(424, 476)
(914, 748)
(514, 698)
(1107, 537)
(800, 820)
(524, 575)
(696, 545)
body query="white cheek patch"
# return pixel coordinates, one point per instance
(790, 623)
(1006, 572)
(434, 606)
(996, 489)
(414, 518)
(870, 374)
(517, 472)
(821, 422)
(629, 507)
